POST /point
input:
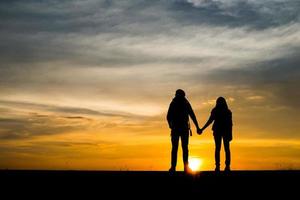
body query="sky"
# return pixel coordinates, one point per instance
(86, 84)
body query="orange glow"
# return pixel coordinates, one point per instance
(113, 143)
(195, 163)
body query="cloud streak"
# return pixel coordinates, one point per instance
(28, 120)
(109, 34)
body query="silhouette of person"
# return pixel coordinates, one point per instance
(178, 119)
(222, 129)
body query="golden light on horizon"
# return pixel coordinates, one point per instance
(195, 163)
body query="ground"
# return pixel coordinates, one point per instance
(137, 184)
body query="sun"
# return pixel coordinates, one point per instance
(195, 164)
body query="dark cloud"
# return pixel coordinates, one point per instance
(75, 117)
(45, 31)
(253, 14)
(105, 16)
(12, 129)
(281, 77)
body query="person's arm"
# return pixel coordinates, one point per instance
(169, 116)
(231, 124)
(193, 116)
(231, 119)
(209, 121)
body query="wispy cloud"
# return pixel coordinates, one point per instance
(66, 110)
(24, 120)
(99, 33)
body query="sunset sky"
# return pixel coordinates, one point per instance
(86, 84)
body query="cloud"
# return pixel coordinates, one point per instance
(13, 129)
(236, 13)
(123, 58)
(65, 110)
(156, 43)
(278, 78)
(255, 98)
(114, 34)
(23, 120)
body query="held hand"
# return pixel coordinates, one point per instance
(199, 131)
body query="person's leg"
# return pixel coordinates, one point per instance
(227, 154)
(218, 140)
(185, 149)
(175, 141)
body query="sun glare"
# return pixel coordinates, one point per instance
(195, 164)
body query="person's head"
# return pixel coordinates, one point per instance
(180, 93)
(221, 103)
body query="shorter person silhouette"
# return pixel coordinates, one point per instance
(222, 129)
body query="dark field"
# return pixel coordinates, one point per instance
(133, 184)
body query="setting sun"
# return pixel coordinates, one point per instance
(195, 164)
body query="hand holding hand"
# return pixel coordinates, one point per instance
(199, 131)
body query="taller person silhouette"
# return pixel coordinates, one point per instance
(178, 119)
(222, 129)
